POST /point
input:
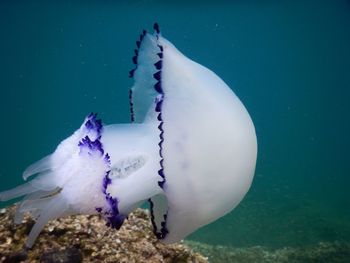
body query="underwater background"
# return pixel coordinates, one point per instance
(288, 61)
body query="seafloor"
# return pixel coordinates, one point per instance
(87, 239)
(321, 253)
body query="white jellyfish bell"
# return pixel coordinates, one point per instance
(190, 151)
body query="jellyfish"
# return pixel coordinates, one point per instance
(189, 151)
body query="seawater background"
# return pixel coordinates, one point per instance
(288, 61)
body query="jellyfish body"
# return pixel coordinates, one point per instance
(190, 151)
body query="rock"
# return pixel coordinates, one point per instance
(16, 257)
(70, 255)
(87, 239)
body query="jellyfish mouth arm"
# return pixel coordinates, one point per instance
(133, 175)
(108, 170)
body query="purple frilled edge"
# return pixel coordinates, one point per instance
(163, 231)
(111, 214)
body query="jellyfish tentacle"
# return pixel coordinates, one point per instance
(17, 192)
(42, 165)
(26, 205)
(52, 209)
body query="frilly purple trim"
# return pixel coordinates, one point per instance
(158, 108)
(132, 72)
(91, 145)
(111, 214)
(92, 123)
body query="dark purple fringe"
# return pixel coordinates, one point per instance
(159, 102)
(158, 108)
(92, 145)
(163, 231)
(131, 103)
(92, 124)
(132, 72)
(114, 219)
(151, 206)
(112, 215)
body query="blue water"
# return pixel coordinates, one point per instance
(288, 61)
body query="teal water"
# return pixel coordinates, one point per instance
(288, 61)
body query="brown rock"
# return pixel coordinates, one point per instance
(87, 239)
(70, 255)
(16, 257)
